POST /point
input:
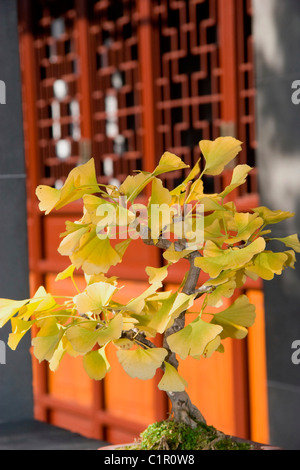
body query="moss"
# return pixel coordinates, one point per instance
(168, 435)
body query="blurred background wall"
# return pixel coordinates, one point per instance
(16, 397)
(277, 39)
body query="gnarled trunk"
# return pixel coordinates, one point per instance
(183, 410)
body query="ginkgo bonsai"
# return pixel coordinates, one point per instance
(225, 245)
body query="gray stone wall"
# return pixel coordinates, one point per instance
(277, 43)
(15, 375)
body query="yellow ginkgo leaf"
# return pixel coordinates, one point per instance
(219, 153)
(81, 180)
(140, 363)
(71, 242)
(291, 259)
(57, 356)
(94, 255)
(236, 319)
(245, 225)
(224, 290)
(137, 304)
(112, 331)
(91, 279)
(68, 272)
(212, 347)
(122, 247)
(49, 198)
(292, 242)
(173, 256)
(157, 274)
(159, 194)
(8, 308)
(272, 217)
(171, 380)
(96, 364)
(83, 338)
(170, 309)
(19, 329)
(134, 185)
(95, 297)
(216, 260)
(47, 339)
(193, 173)
(267, 264)
(169, 162)
(193, 339)
(239, 176)
(123, 343)
(196, 191)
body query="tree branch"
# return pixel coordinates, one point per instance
(138, 337)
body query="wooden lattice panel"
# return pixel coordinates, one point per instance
(116, 89)
(188, 76)
(58, 102)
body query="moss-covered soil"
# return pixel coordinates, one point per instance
(168, 435)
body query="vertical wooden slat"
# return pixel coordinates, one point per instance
(146, 69)
(258, 372)
(226, 10)
(228, 60)
(83, 50)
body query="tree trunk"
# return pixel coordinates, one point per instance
(183, 410)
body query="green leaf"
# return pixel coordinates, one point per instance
(219, 153)
(193, 339)
(142, 363)
(171, 380)
(236, 319)
(96, 364)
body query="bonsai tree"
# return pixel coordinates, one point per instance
(223, 245)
